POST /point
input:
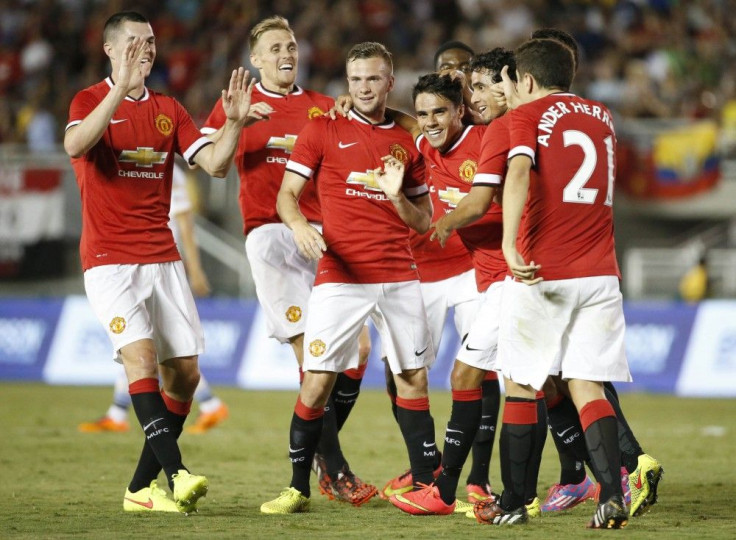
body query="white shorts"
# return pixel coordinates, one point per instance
(338, 311)
(283, 279)
(572, 327)
(459, 292)
(481, 345)
(146, 301)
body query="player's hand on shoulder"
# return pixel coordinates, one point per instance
(342, 106)
(526, 273)
(236, 99)
(257, 112)
(390, 177)
(440, 231)
(309, 241)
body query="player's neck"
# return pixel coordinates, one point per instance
(276, 88)
(135, 93)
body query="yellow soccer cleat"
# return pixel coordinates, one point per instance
(150, 499)
(462, 507)
(533, 509)
(643, 483)
(188, 489)
(206, 421)
(290, 501)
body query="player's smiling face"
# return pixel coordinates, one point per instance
(482, 99)
(275, 56)
(369, 82)
(127, 32)
(439, 119)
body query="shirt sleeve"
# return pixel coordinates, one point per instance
(493, 155)
(309, 148)
(188, 138)
(82, 104)
(523, 133)
(415, 183)
(215, 120)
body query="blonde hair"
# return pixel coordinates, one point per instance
(276, 22)
(370, 49)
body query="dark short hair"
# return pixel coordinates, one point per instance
(440, 85)
(115, 21)
(454, 44)
(493, 62)
(548, 61)
(563, 37)
(370, 49)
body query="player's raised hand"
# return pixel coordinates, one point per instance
(309, 241)
(440, 231)
(390, 178)
(130, 71)
(526, 273)
(511, 94)
(342, 106)
(236, 99)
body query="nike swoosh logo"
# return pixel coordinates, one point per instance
(562, 433)
(295, 451)
(469, 348)
(348, 145)
(113, 121)
(638, 482)
(152, 423)
(148, 504)
(420, 353)
(428, 445)
(343, 394)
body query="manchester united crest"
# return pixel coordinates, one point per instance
(314, 112)
(164, 125)
(317, 347)
(399, 152)
(467, 171)
(293, 314)
(117, 325)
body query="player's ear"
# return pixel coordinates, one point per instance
(107, 47)
(256, 60)
(391, 81)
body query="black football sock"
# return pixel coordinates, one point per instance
(629, 446)
(345, 393)
(601, 436)
(391, 389)
(518, 432)
(540, 437)
(417, 428)
(486, 434)
(459, 435)
(304, 434)
(567, 434)
(329, 442)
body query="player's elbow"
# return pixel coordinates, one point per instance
(72, 148)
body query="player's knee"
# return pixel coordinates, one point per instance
(465, 377)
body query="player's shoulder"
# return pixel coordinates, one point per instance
(98, 89)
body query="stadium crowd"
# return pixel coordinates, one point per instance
(643, 58)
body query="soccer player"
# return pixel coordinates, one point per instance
(212, 410)
(453, 56)
(365, 263)
(282, 276)
(122, 137)
(563, 310)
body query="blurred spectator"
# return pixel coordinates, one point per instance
(643, 58)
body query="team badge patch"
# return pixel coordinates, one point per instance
(399, 152)
(317, 347)
(314, 112)
(293, 314)
(467, 171)
(117, 325)
(164, 124)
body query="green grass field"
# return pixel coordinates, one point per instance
(61, 483)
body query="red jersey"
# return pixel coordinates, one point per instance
(453, 173)
(125, 179)
(367, 241)
(569, 211)
(265, 147)
(434, 262)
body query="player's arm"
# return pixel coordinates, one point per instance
(216, 158)
(197, 278)
(308, 239)
(80, 138)
(417, 212)
(471, 208)
(256, 112)
(406, 122)
(516, 188)
(505, 92)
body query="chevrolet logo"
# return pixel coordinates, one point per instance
(365, 179)
(451, 196)
(143, 156)
(285, 143)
